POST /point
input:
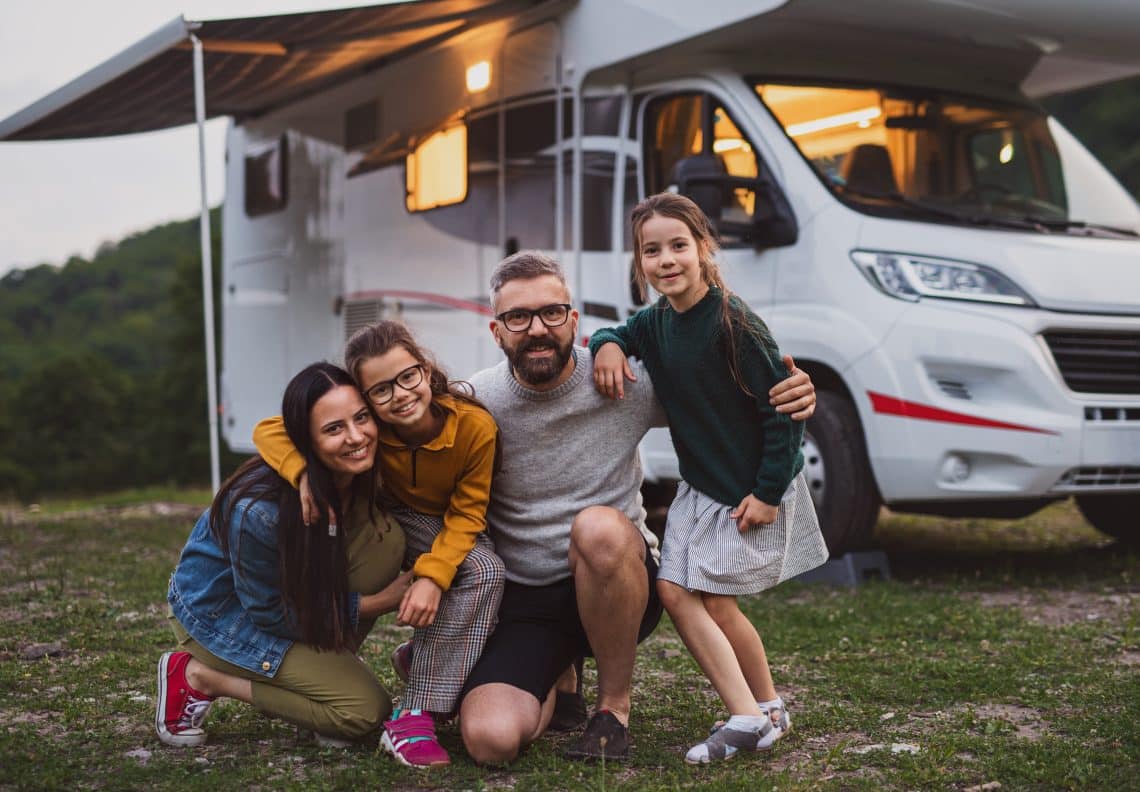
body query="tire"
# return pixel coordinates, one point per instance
(839, 475)
(1115, 515)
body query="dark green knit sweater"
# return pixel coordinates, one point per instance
(728, 443)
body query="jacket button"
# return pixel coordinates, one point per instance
(265, 666)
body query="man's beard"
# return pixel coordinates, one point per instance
(539, 371)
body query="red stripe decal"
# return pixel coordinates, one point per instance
(888, 405)
(439, 299)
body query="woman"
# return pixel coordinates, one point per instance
(271, 612)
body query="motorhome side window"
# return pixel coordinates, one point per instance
(692, 143)
(267, 178)
(912, 152)
(436, 170)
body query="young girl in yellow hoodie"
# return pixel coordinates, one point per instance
(437, 451)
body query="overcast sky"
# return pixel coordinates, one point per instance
(67, 197)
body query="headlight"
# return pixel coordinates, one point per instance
(913, 277)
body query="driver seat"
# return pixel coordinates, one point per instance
(867, 168)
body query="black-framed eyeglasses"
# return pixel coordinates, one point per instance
(519, 320)
(408, 379)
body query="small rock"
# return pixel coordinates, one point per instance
(864, 749)
(886, 716)
(142, 755)
(38, 651)
(667, 653)
(904, 748)
(986, 787)
(139, 698)
(202, 760)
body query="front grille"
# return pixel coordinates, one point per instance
(1097, 362)
(1088, 478)
(1103, 414)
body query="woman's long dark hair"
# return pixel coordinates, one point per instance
(313, 564)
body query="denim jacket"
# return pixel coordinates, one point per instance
(238, 615)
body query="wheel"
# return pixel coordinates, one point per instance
(1116, 515)
(839, 475)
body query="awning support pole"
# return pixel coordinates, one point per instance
(207, 266)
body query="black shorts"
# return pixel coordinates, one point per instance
(540, 634)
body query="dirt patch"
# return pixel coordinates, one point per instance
(13, 516)
(1062, 608)
(1027, 723)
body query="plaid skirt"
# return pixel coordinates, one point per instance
(704, 551)
(446, 651)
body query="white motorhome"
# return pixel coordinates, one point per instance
(958, 274)
(960, 277)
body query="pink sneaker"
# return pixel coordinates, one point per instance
(410, 737)
(180, 709)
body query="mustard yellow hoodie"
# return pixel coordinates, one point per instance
(449, 477)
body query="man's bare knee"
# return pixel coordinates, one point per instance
(604, 538)
(490, 742)
(497, 721)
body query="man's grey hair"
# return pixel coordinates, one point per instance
(525, 265)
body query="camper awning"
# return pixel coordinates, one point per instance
(252, 66)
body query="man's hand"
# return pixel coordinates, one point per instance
(753, 512)
(795, 395)
(611, 370)
(420, 604)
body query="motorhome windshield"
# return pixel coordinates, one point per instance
(914, 153)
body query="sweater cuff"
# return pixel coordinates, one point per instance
(771, 494)
(603, 337)
(434, 569)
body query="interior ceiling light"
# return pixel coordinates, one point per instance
(830, 122)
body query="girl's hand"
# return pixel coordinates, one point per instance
(611, 369)
(309, 511)
(753, 512)
(795, 395)
(420, 603)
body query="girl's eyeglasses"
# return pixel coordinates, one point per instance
(408, 379)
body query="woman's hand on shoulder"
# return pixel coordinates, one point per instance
(420, 604)
(795, 395)
(753, 512)
(611, 370)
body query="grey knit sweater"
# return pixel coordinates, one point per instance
(563, 450)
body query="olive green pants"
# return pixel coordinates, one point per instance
(332, 693)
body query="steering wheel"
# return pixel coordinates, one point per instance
(978, 192)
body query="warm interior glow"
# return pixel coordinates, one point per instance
(860, 117)
(437, 170)
(479, 77)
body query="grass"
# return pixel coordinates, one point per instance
(997, 652)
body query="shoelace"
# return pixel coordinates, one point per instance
(194, 712)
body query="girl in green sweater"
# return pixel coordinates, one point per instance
(743, 519)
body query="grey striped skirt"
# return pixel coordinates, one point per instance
(445, 652)
(704, 551)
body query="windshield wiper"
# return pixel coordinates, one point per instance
(895, 197)
(1060, 224)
